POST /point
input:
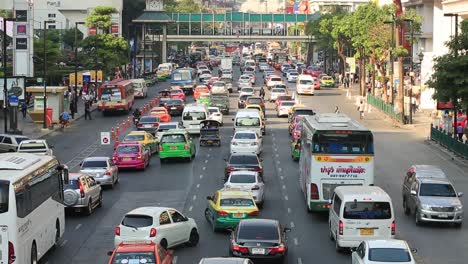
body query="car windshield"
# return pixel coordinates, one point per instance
(241, 135)
(166, 127)
(258, 232)
(437, 189)
(158, 112)
(389, 255)
(127, 149)
(193, 115)
(134, 258)
(247, 90)
(236, 202)
(278, 90)
(254, 100)
(134, 138)
(33, 146)
(274, 79)
(4, 194)
(174, 138)
(367, 210)
(148, 119)
(94, 164)
(287, 103)
(242, 178)
(247, 121)
(244, 159)
(305, 82)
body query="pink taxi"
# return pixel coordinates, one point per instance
(131, 155)
(177, 94)
(295, 121)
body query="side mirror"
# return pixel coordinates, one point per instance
(286, 230)
(185, 218)
(230, 229)
(109, 253)
(414, 250)
(81, 164)
(209, 198)
(51, 146)
(460, 194)
(413, 192)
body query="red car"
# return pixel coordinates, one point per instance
(177, 93)
(211, 81)
(140, 252)
(162, 113)
(317, 84)
(295, 121)
(131, 155)
(312, 71)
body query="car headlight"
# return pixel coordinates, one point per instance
(425, 207)
(459, 208)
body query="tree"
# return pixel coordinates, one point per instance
(53, 53)
(182, 6)
(68, 37)
(101, 18)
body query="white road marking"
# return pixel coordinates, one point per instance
(281, 177)
(284, 187)
(77, 226)
(292, 225)
(63, 243)
(174, 260)
(198, 185)
(201, 176)
(206, 161)
(204, 168)
(190, 209)
(277, 155)
(194, 197)
(289, 210)
(210, 149)
(208, 155)
(278, 162)
(276, 149)
(296, 242)
(299, 261)
(280, 169)
(286, 197)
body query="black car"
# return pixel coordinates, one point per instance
(149, 124)
(163, 101)
(259, 239)
(241, 102)
(243, 161)
(221, 101)
(175, 107)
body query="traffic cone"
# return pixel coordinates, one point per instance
(112, 133)
(124, 125)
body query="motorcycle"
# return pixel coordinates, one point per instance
(136, 120)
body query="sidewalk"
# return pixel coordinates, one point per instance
(35, 130)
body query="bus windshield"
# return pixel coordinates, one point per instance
(181, 76)
(341, 143)
(111, 94)
(194, 116)
(4, 192)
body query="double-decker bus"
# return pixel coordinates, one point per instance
(185, 78)
(335, 150)
(32, 214)
(117, 95)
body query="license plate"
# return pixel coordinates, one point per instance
(367, 232)
(173, 108)
(127, 159)
(173, 147)
(147, 126)
(209, 141)
(258, 251)
(238, 215)
(443, 215)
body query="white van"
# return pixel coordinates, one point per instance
(248, 119)
(140, 88)
(305, 84)
(192, 115)
(360, 213)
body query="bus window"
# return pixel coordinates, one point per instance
(4, 192)
(331, 143)
(111, 94)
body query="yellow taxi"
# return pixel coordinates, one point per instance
(327, 81)
(144, 138)
(228, 206)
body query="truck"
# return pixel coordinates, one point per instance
(36, 146)
(226, 63)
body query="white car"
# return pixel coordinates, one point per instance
(204, 75)
(263, 66)
(164, 226)
(227, 74)
(215, 114)
(246, 141)
(201, 68)
(292, 76)
(383, 251)
(219, 87)
(35, 146)
(274, 80)
(243, 83)
(247, 91)
(284, 107)
(252, 77)
(163, 127)
(275, 92)
(249, 181)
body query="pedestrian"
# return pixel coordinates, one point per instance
(413, 104)
(24, 109)
(360, 108)
(87, 107)
(460, 132)
(262, 92)
(346, 81)
(71, 99)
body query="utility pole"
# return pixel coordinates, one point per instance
(75, 98)
(411, 73)
(456, 55)
(392, 60)
(45, 72)
(5, 86)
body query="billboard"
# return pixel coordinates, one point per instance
(15, 86)
(298, 7)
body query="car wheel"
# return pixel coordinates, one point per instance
(100, 200)
(163, 243)
(260, 205)
(161, 160)
(89, 208)
(193, 238)
(34, 253)
(405, 207)
(207, 215)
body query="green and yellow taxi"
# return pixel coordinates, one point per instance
(296, 149)
(204, 98)
(327, 81)
(228, 206)
(144, 138)
(176, 143)
(162, 75)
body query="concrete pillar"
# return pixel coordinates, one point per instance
(164, 44)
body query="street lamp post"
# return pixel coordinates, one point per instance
(5, 87)
(75, 98)
(456, 55)
(411, 73)
(45, 71)
(392, 22)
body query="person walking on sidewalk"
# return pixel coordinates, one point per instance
(24, 109)
(87, 107)
(460, 132)
(360, 108)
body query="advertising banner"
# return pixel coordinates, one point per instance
(15, 86)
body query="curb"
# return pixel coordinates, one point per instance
(55, 128)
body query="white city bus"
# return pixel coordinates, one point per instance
(335, 151)
(32, 215)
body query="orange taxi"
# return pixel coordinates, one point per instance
(199, 89)
(162, 113)
(140, 252)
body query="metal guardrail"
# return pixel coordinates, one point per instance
(384, 107)
(446, 140)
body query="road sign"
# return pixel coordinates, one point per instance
(105, 138)
(14, 100)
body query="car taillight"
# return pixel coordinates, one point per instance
(240, 249)
(222, 214)
(11, 253)
(340, 228)
(153, 232)
(82, 194)
(257, 169)
(155, 125)
(256, 187)
(231, 169)
(314, 193)
(139, 125)
(139, 156)
(280, 249)
(107, 173)
(186, 147)
(117, 230)
(160, 148)
(393, 228)
(254, 213)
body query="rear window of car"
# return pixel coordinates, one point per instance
(244, 159)
(247, 121)
(293, 73)
(304, 112)
(137, 221)
(134, 257)
(19, 139)
(258, 232)
(278, 90)
(236, 202)
(367, 210)
(242, 178)
(33, 146)
(389, 255)
(174, 138)
(72, 184)
(94, 164)
(4, 194)
(254, 100)
(243, 97)
(128, 149)
(247, 90)
(276, 79)
(287, 103)
(149, 119)
(244, 136)
(134, 138)
(305, 82)
(166, 127)
(174, 102)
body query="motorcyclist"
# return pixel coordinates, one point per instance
(262, 92)
(136, 115)
(64, 117)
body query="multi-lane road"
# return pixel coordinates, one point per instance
(185, 185)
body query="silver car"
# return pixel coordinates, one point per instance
(163, 127)
(9, 143)
(81, 193)
(431, 197)
(102, 169)
(249, 181)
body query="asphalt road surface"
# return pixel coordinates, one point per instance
(184, 186)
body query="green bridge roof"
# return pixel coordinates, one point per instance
(241, 17)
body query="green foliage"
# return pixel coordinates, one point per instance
(68, 37)
(100, 18)
(105, 50)
(6, 13)
(53, 53)
(182, 6)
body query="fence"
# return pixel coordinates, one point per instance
(449, 142)
(384, 107)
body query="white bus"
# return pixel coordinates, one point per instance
(32, 215)
(335, 151)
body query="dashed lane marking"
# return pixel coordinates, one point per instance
(299, 261)
(194, 197)
(201, 176)
(277, 155)
(276, 149)
(280, 169)
(278, 162)
(289, 210)
(77, 226)
(296, 242)
(198, 185)
(208, 155)
(292, 224)
(174, 260)
(206, 161)
(281, 177)
(64, 243)
(286, 197)
(204, 168)
(190, 209)
(284, 187)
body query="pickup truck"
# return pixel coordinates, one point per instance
(36, 146)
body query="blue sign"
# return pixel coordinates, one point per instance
(14, 100)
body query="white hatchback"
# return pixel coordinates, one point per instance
(164, 226)
(215, 114)
(275, 92)
(246, 141)
(249, 91)
(383, 251)
(247, 181)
